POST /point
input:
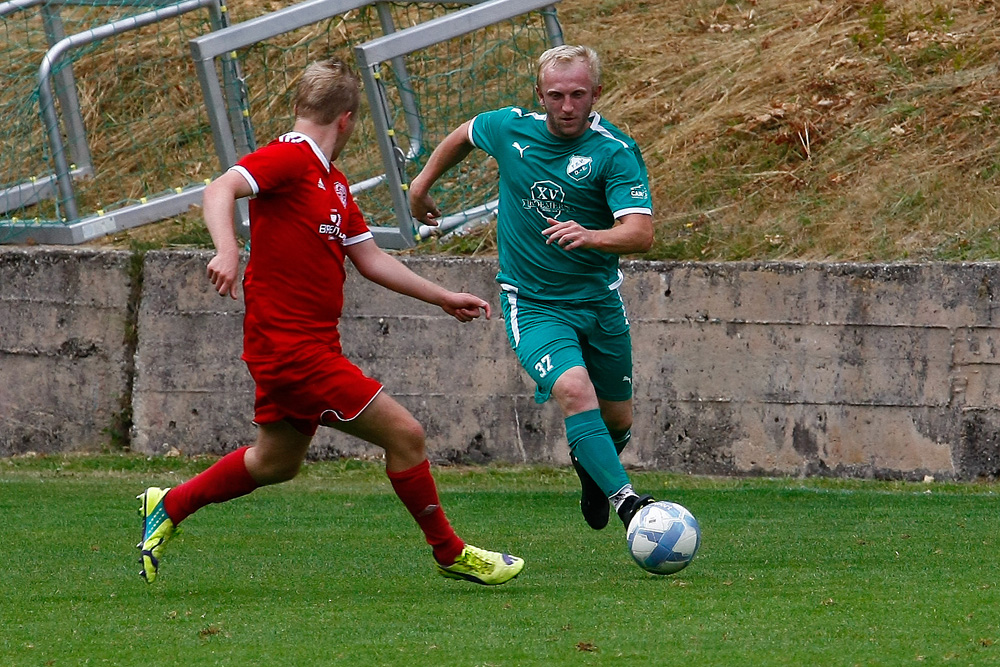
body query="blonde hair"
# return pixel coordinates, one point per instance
(565, 54)
(327, 89)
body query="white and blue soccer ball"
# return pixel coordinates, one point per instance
(663, 537)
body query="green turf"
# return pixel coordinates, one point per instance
(329, 570)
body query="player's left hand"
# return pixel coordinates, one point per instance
(568, 235)
(465, 307)
(224, 272)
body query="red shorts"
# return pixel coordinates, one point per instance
(309, 387)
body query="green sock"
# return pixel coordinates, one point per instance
(590, 443)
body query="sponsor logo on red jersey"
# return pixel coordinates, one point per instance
(332, 231)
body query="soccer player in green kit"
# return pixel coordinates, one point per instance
(574, 195)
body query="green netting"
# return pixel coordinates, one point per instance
(145, 125)
(272, 69)
(454, 80)
(147, 130)
(451, 82)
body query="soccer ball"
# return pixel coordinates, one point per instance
(663, 537)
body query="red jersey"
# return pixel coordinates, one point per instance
(302, 215)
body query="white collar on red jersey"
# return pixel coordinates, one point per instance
(296, 137)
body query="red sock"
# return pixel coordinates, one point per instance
(416, 488)
(226, 479)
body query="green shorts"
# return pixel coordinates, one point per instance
(550, 337)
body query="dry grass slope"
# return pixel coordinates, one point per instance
(804, 129)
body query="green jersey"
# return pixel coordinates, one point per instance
(593, 179)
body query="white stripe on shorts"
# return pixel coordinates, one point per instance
(512, 302)
(624, 311)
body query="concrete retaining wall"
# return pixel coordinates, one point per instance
(777, 368)
(66, 348)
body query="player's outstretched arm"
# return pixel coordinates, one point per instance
(218, 206)
(385, 270)
(452, 150)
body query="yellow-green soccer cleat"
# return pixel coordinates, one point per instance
(483, 567)
(157, 529)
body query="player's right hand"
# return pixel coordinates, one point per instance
(423, 208)
(224, 272)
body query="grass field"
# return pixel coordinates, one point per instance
(329, 569)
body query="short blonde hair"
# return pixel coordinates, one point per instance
(565, 54)
(327, 89)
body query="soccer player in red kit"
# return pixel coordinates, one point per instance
(303, 222)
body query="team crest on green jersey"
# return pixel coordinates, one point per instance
(579, 167)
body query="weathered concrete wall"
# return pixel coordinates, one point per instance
(818, 368)
(65, 348)
(778, 368)
(193, 394)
